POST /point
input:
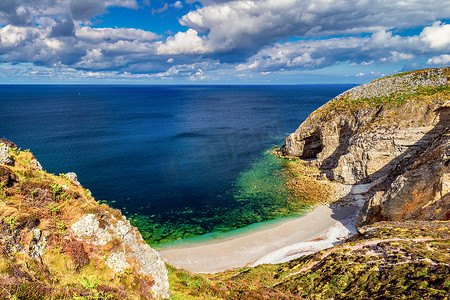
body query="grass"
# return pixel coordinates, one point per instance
(388, 269)
(385, 106)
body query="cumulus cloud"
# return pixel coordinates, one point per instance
(193, 72)
(443, 60)
(247, 35)
(248, 25)
(63, 28)
(11, 36)
(88, 48)
(188, 42)
(437, 35)
(24, 12)
(86, 9)
(380, 47)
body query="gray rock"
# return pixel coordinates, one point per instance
(4, 155)
(118, 262)
(38, 244)
(88, 229)
(73, 176)
(35, 164)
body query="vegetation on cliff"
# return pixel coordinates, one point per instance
(40, 258)
(387, 260)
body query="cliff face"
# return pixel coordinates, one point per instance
(57, 242)
(393, 134)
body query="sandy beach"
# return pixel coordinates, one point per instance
(280, 242)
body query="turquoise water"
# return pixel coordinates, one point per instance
(179, 161)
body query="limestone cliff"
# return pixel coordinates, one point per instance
(392, 133)
(57, 242)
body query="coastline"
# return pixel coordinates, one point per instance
(276, 243)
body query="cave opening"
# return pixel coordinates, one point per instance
(312, 147)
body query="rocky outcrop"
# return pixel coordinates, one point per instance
(391, 133)
(72, 176)
(4, 155)
(418, 186)
(130, 250)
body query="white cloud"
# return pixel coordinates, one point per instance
(25, 12)
(96, 34)
(188, 42)
(240, 34)
(381, 47)
(199, 75)
(247, 24)
(437, 35)
(11, 36)
(439, 60)
(178, 5)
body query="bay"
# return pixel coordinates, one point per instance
(179, 161)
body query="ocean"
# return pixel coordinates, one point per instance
(179, 161)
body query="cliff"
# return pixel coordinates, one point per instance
(57, 242)
(390, 135)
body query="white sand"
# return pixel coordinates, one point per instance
(320, 229)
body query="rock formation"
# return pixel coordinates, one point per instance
(132, 251)
(392, 133)
(4, 155)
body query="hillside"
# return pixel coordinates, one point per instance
(57, 242)
(388, 260)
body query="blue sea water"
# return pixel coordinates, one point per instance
(179, 161)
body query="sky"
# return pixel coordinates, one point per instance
(219, 41)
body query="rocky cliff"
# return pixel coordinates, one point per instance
(57, 242)
(391, 134)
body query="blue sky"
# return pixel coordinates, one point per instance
(219, 41)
